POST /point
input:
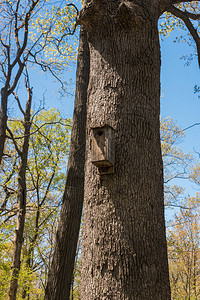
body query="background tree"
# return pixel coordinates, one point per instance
(177, 164)
(48, 152)
(28, 31)
(21, 191)
(61, 271)
(184, 251)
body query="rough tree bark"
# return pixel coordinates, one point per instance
(61, 271)
(3, 120)
(124, 251)
(21, 199)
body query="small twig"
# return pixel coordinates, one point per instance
(18, 102)
(14, 142)
(74, 6)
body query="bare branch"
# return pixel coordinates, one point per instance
(74, 6)
(16, 28)
(37, 42)
(27, 17)
(7, 190)
(176, 205)
(18, 102)
(193, 125)
(181, 1)
(9, 69)
(14, 142)
(37, 130)
(48, 188)
(8, 218)
(191, 15)
(17, 77)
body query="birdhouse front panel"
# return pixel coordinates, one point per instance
(103, 152)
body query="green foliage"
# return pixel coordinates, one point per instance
(38, 34)
(169, 22)
(176, 163)
(6, 247)
(75, 288)
(45, 177)
(183, 231)
(55, 24)
(184, 251)
(195, 176)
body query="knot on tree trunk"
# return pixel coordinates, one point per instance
(130, 14)
(120, 14)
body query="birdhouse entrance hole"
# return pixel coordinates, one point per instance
(103, 149)
(99, 132)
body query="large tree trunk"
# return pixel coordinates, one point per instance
(21, 199)
(124, 252)
(61, 272)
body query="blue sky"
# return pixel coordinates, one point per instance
(177, 85)
(179, 101)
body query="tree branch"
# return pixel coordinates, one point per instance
(7, 190)
(192, 16)
(27, 17)
(18, 102)
(14, 142)
(184, 17)
(17, 77)
(7, 77)
(182, 1)
(74, 6)
(16, 28)
(48, 187)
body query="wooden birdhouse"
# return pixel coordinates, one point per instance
(103, 149)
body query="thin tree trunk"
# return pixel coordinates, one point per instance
(3, 120)
(61, 272)
(21, 198)
(28, 265)
(124, 251)
(31, 247)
